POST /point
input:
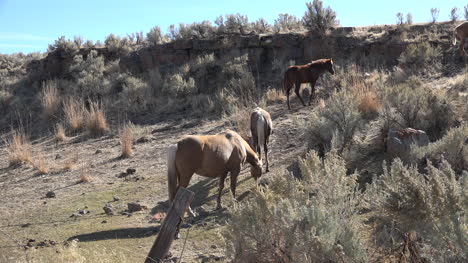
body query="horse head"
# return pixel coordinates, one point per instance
(256, 170)
(330, 67)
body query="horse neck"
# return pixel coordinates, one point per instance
(317, 70)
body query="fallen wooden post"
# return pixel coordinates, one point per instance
(169, 225)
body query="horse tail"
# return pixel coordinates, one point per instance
(171, 171)
(261, 122)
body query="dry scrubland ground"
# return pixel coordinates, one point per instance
(349, 118)
(28, 214)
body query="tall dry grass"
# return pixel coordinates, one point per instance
(18, 148)
(74, 111)
(96, 120)
(50, 100)
(126, 140)
(41, 165)
(60, 132)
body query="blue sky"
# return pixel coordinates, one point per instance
(28, 26)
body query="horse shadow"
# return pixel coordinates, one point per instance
(123, 233)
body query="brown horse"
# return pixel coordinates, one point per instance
(309, 73)
(461, 32)
(261, 128)
(210, 156)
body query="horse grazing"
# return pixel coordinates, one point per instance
(461, 32)
(210, 156)
(261, 128)
(309, 73)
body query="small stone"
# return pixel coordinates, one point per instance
(92, 166)
(131, 171)
(125, 213)
(50, 194)
(214, 246)
(98, 151)
(116, 198)
(59, 156)
(75, 215)
(143, 139)
(104, 222)
(45, 202)
(108, 209)
(83, 212)
(134, 207)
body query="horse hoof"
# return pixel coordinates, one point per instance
(219, 207)
(267, 170)
(177, 236)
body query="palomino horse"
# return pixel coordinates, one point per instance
(309, 73)
(261, 128)
(210, 156)
(461, 32)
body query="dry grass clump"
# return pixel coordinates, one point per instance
(274, 96)
(41, 165)
(283, 223)
(85, 177)
(96, 120)
(70, 163)
(18, 148)
(126, 141)
(60, 132)
(74, 111)
(50, 100)
(369, 103)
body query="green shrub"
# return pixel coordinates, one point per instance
(232, 23)
(261, 26)
(335, 125)
(197, 30)
(154, 36)
(319, 19)
(434, 14)
(419, 107)
(286, 23)
(433, 205)
(89, 75)
(63, 45)
(116, 44)
(311, 220)
(418, 58)
(451, 148)
(454, 15)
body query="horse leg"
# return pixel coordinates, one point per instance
(234, 175)
(184, 182)
(296, 90)
(287, 95)
(462, 47)
(312, 91)
(221, 187)
(265, 148)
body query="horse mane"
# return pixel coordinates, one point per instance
(322, 61)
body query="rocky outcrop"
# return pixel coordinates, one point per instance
(376, 44)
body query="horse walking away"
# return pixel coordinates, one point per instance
(210, 156)
(309, 73)
(261, 127)
(461, 32)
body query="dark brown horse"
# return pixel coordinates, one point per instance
(309, 73)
